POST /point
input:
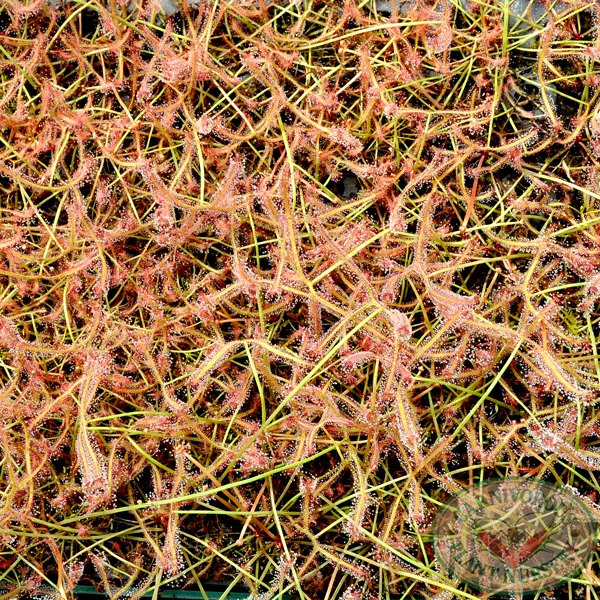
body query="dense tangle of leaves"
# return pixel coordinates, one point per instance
(275, 278)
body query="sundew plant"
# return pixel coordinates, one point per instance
(279, 278)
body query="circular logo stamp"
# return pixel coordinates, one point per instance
(510, 536)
